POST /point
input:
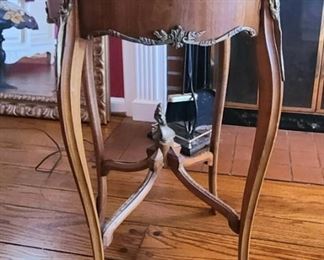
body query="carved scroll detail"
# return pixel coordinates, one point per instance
(275, 9)
(177, 37)
(28, 106)
(100, 73)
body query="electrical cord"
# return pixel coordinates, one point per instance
(191, 126)
(58, 151)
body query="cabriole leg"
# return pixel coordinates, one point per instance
(225, 55)
(69, 106)
(270, 100)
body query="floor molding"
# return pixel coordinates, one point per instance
(118, 105)
(143, 110)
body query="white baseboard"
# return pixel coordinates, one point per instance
(118, 105)
(143, 110)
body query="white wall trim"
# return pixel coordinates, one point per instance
(145, 79)
(143, 110)
(118, 105)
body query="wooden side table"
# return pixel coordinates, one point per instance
(203, 22)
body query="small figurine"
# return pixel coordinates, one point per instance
(163, 132)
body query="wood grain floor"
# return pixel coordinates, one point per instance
(41, 215)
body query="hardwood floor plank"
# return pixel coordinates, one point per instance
(127, 240)
(63, 232)
(26, 158)
(14, 252)
(20, 175)
(267, 227)
(16, 123)
(299, 203)
(126, 144)
(44, 229)
(39, 210)
(41, 198)
(170, 243)
(40, 228)
(51, 126)
(269, 250)
(10, 138)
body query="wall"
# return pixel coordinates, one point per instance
(116, 68)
